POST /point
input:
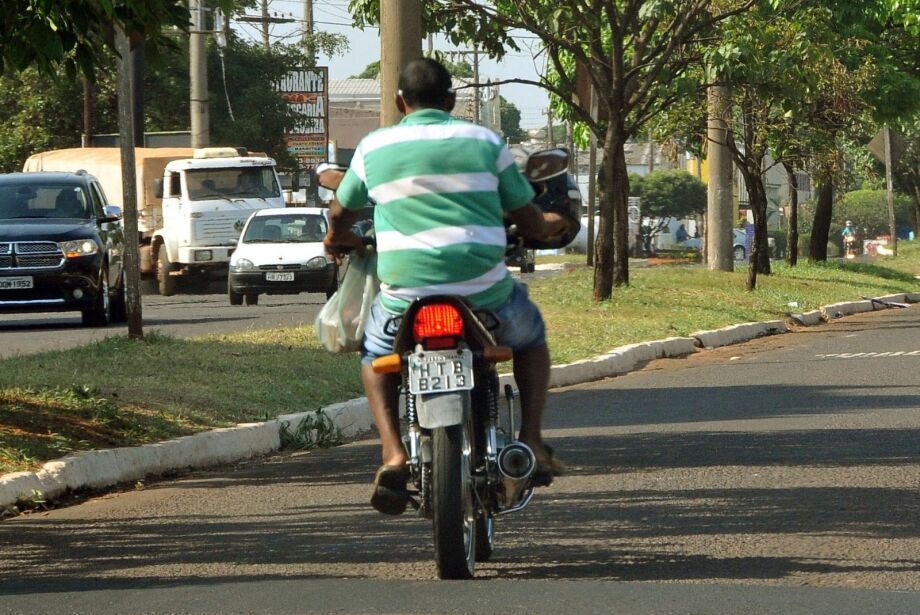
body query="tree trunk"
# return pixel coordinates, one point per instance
(760, 252)
(792, 238)
(611, 246)
(603, 241)
(817, 247)
(915, 183)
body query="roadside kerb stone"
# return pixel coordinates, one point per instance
(738, 333)
(104, 468)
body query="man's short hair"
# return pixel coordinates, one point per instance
(425, 83)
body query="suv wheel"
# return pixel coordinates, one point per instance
(119, 303)
(252, 298)
(235, 298)
(101, 313)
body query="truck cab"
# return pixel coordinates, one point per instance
(206, 202)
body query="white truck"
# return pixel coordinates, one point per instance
(192, 204)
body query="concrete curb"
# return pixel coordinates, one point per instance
(104, 468)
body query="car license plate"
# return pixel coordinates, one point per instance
(280, 276)
(441, 371)
(19, 282)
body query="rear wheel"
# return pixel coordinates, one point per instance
(453, 503)
(166, 282)
(485, 536)
(252, 298)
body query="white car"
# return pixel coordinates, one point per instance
(280, 251)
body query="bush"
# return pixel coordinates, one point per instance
(868, 210)
(833, 250)
(780, 243)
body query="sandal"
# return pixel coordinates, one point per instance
(544, 473)
(390, 494)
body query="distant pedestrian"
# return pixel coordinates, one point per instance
(681, 235)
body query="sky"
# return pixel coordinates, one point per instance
(364, 48)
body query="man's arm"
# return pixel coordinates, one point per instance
(535, 224)
(341, 239)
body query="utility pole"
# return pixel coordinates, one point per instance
(308, 44)
(550, 137)
(265, 17)
(889, 182)
(476, 102)
(198, 75)
(129, 186)
(400, 43)
(719, 205)
(87, 139)
(137, 92)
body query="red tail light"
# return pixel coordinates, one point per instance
(437, 320)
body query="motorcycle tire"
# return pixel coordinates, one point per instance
(453, 503)
(485, 534)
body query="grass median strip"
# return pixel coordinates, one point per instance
(120, 392)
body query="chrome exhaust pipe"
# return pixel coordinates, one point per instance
(516, 462)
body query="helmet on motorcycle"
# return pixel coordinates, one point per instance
(849, 223)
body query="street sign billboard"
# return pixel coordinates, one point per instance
(306, 91)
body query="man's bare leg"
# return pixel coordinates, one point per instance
(382, 392)
(531, 371)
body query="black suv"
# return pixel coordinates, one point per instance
(61, 247)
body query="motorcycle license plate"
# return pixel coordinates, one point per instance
(279, 276)
(16, 283)
(440, 371)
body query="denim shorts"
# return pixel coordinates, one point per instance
(521, 326)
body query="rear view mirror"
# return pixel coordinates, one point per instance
(330, 175)
(546, 164)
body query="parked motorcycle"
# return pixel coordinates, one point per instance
(467, 467)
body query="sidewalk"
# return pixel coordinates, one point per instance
(105, 468)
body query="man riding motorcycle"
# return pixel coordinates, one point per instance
(442, 186)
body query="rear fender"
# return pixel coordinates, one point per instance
(443, 409)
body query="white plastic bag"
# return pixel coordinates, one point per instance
(340, 324)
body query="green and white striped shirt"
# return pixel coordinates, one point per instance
(441, 186)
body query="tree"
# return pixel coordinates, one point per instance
(511, 121)
(77, 33)
(633, 54)
(668, 194)
(40, 112)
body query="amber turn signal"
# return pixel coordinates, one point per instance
(388, 364)
(497, 354)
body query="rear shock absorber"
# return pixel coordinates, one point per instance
(414, 436)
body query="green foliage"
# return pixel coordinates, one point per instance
(260, 116)
(75, 34)
(37, 112)
(780, 243)
(511, 121)
(635, 184)
(672, 194)
(315, 430)
(868, 210)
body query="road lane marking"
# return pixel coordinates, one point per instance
(869, 355)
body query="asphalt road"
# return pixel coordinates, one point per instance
(777, 476)
(203, 311)
(182, 315)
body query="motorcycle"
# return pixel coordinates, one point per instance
(850, 247)
(467, 467)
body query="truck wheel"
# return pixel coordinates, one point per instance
(235, 298)
(167, 283)
(101, 313)
(252, 298)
